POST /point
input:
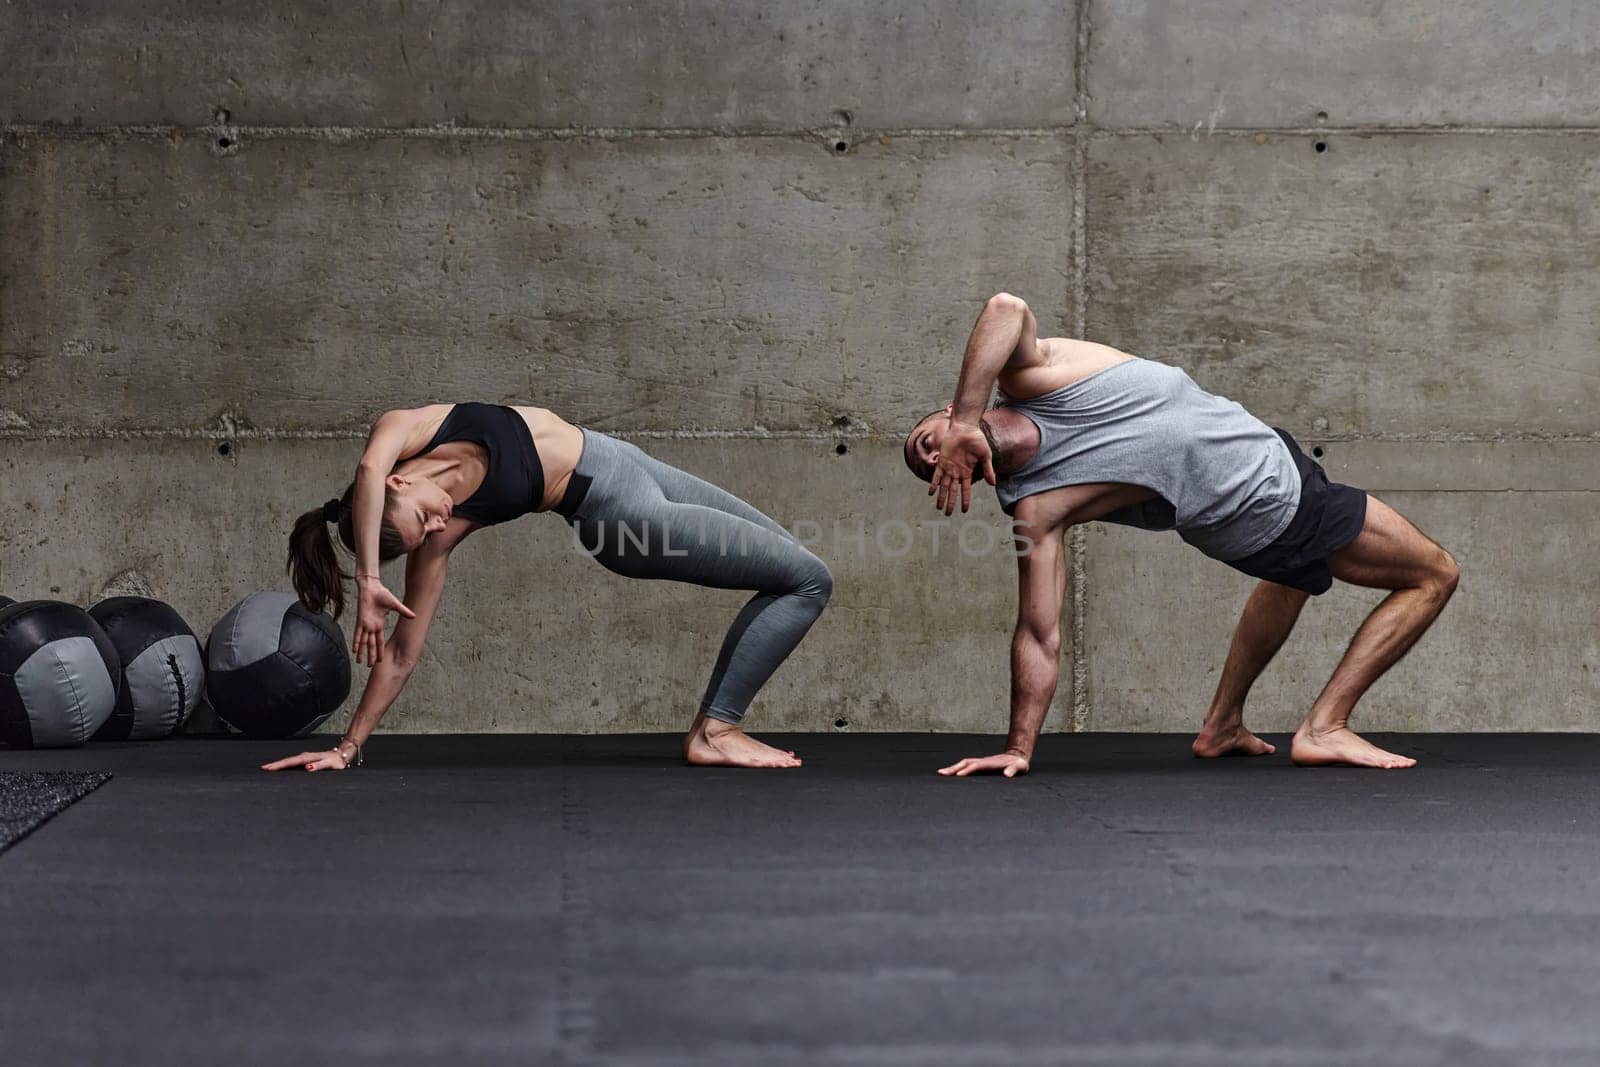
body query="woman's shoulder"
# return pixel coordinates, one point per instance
(423, 414)
(418, 426)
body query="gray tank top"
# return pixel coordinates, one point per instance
(1225, 479)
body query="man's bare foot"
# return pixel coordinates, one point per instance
(714, 743)
(1342, 747)
(1229, 740)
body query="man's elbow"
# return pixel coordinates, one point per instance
(1045, 640)
(1006, 304)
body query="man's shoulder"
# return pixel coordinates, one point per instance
(1066, 361)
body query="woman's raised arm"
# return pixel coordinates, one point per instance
(394, 436)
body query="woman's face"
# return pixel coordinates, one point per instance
(416, 507)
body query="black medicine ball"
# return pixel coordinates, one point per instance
(274, 669)
(59, 675)
(163, 671)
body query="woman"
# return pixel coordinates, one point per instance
(432, 475)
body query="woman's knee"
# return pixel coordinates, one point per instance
(817, 582)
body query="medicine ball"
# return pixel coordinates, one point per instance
(59, 675)
(163, 672)
(6, 602)
(274, 669)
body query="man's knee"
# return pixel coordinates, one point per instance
(1444, 575)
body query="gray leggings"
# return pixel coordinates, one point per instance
(642, 518)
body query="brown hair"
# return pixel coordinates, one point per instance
(914, 464)
(313, 561)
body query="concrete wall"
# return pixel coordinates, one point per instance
(752, 235)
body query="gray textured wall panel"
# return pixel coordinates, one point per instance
(1561, 466)
(1514, 650)
(1358, 62)
(1389, 285)
(781, 63)
(641, 284)
(531, 635)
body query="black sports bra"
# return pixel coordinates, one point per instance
(513, 484)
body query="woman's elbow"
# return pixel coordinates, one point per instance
(403, 659)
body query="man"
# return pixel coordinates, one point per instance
(1085, 432)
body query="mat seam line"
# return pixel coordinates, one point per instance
(575, 1008)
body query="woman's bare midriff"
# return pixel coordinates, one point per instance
(559, 444)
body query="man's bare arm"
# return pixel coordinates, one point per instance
(1035, 651)
(1036, 642)
(1006, 335)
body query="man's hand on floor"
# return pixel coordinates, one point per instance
(1007, 763)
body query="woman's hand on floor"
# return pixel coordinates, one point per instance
(311, 761)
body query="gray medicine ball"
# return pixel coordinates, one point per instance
(274, 669)
(59, 675)
(163, 672)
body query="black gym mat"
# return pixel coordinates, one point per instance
(591, 900)
(29, 798)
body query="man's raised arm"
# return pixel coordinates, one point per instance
(1006, 334)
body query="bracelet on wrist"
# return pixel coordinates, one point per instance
(354, 760)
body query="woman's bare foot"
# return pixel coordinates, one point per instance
(714, 743)
(1342, 747)
(1230, 739)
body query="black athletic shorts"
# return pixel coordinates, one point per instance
(1329, 517)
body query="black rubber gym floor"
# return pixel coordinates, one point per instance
(499, 899)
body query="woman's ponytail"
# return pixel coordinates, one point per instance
(314, 563)
(314, 560)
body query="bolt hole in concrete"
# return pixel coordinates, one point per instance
(840, 449)
(225, 448)
(1317, 452)
(1322, 116)
(1320, 146)
(841, 147)
(840, 724)
(224, 142)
